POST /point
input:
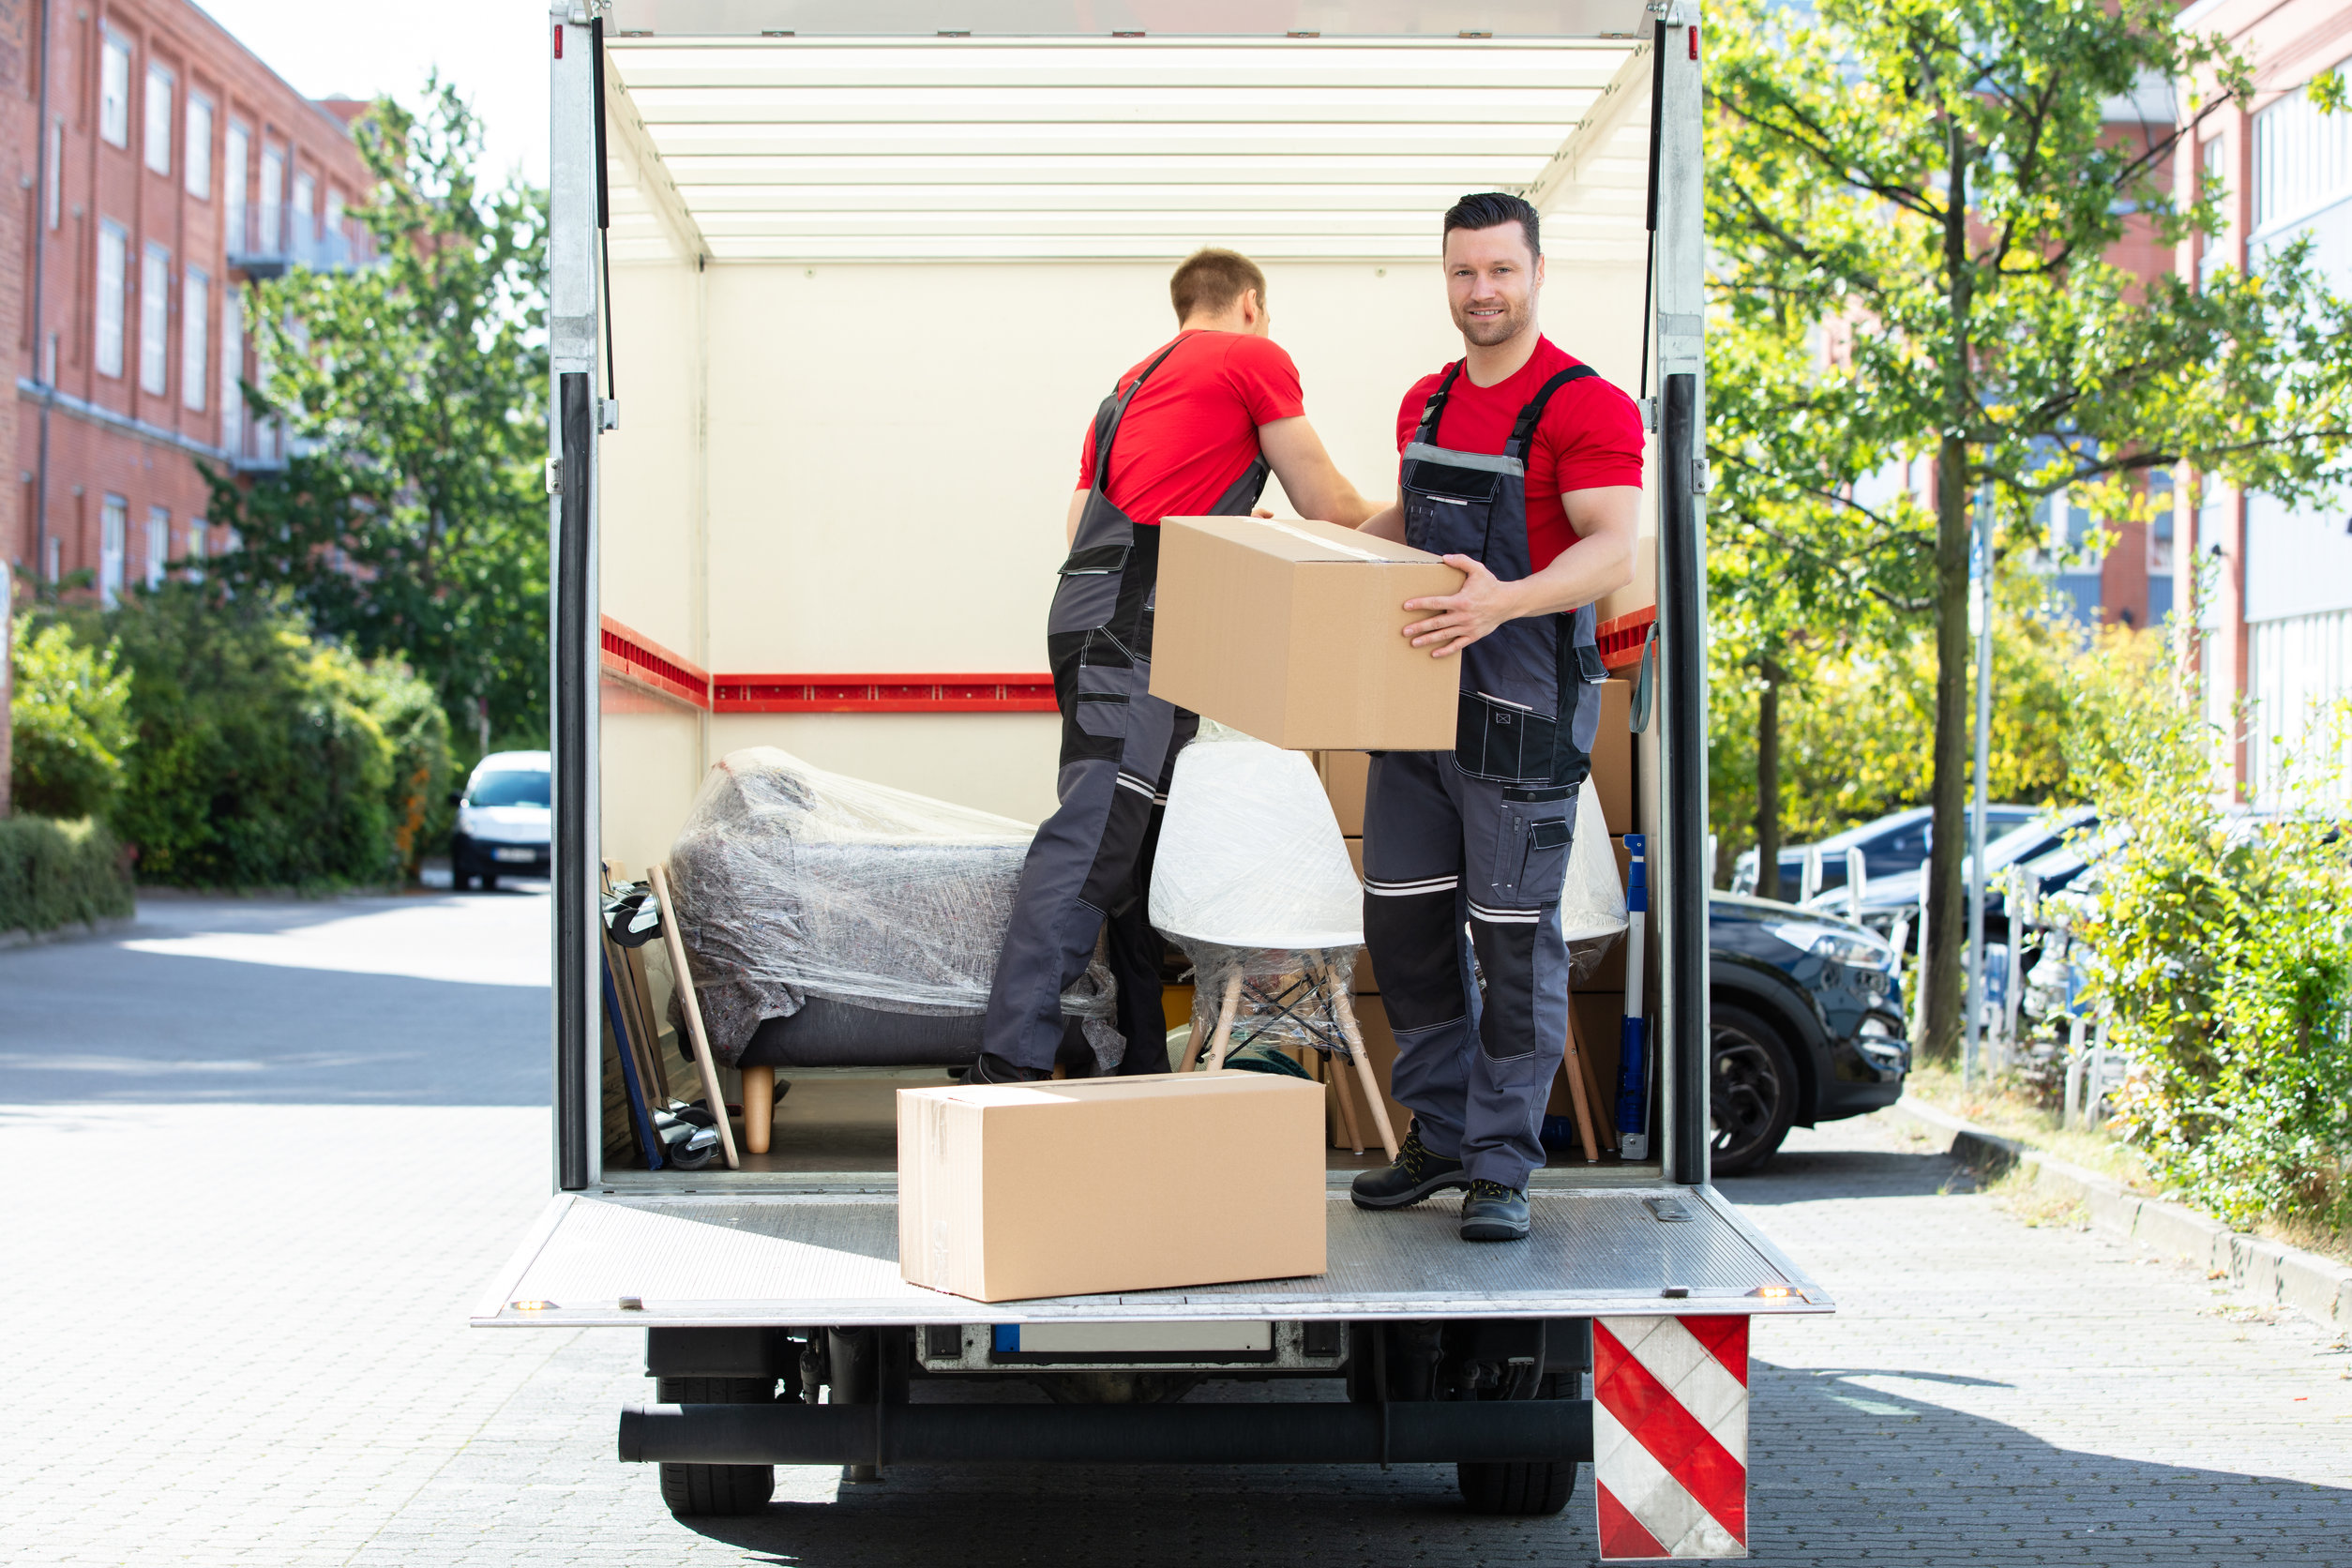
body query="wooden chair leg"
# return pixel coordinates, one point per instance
(1604, 1113)
(1363, 1069)
(759, 1107)
(684, 978)
(1225, 1023)
(1348, 1122)
(1574, 1066)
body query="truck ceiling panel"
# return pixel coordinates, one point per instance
(1094, 19)
(917, 149)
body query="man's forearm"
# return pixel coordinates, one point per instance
(1584, 573)
(1386, 523)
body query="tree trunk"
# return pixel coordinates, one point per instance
(1947, 924)
(1768, 783)
(1940, 983)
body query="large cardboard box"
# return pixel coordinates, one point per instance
(1344, 775)
(1599, 1018)
(1613, 757)
(1289, 631)
(1011, 1191)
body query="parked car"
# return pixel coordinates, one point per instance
(1806, 1012)
(502, 820)
(1891, 900)
(1891, 845)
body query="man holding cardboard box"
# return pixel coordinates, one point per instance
(1190, 431)
(1522, 468)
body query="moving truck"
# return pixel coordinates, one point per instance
(835, 289)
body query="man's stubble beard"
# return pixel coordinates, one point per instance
(1501, 329)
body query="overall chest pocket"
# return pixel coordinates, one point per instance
(1088, 595)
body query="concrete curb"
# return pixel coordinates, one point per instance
(2284, 1275)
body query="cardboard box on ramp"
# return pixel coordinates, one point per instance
(1012, 1191)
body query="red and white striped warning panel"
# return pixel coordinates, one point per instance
(1670, 1436)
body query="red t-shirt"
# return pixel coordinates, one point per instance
(1590, 436)
(1192, 428)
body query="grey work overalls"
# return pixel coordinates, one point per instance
(1092, 859)
(1481, 832)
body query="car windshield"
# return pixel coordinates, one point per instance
(510, 789)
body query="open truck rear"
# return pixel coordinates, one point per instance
(835, 289)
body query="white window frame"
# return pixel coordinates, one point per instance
(155, 140)
(158, 545)
(155, 319)
(199, 151)
(113, 530)
(194, 549)
(195, 337)
(113, 264)
(114, 89)
(56, 170)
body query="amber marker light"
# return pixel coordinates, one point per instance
(533, 1306)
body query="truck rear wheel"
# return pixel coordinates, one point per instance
(700, 1491)
(1524, 1487)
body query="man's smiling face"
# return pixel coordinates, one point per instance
(1491, 280)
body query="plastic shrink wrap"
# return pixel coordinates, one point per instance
(1252, 878)
(792, 881)
(1591, 898)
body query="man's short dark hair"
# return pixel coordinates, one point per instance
(1492, 209)
(1209, 281)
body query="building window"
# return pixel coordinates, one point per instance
(338, 246)
(194, 552)
(306, 233)
(232, 368)
(56, 169)
(113, 523)
(114, 243)
(235, 148)
(158, 137)
(154, 318)
(195, 316)
(271, 239)
(114, 89)
(199, 154)
(158, 545)
(2302, 158)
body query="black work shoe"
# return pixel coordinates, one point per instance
(1494, 1213)
(992, 1068)
(1412, 1176)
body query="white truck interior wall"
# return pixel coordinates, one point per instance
(883, 477)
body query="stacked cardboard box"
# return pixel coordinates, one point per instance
(1599, 1003)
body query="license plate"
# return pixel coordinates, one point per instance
(518, 855)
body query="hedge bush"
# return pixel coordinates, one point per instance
(70, 709)
(2222, 946)
(55, 874)
(262, 758)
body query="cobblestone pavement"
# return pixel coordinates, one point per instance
(235, 1337)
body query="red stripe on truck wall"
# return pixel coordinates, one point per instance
(882, 694)
(631, 657)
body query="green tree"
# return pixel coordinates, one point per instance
(70, 709)
(408, 521)
(1941, 177)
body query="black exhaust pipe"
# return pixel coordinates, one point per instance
(1475, 1431)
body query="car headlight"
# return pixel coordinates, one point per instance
(1837, 945)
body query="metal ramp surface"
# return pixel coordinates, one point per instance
(831, 1259)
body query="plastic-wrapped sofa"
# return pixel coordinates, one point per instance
(831, 922)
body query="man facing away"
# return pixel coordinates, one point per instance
(1522, 468)
(1190, 431)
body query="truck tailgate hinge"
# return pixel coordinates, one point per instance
(556, 475)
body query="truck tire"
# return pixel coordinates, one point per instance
(1527, 1488)
(1751, 1094)
(703, 1491)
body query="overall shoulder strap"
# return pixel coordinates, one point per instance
(1114, 409)
(1524, 430)
(1434, 409)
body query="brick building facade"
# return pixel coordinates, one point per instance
(159, 165)
(2277, 618)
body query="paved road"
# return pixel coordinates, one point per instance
(234, 1331)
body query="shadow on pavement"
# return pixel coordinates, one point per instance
(1810, 1175)
(1844, 1472)
(92, 1022)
